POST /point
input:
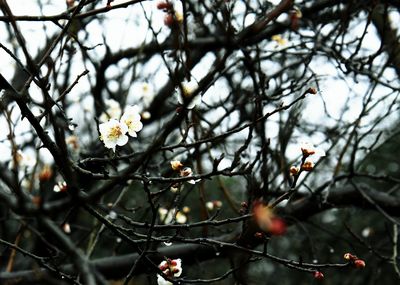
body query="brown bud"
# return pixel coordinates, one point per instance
(307, 166)
(169, 20)
(294, 170)
(259, 235)
(45, 174)
(176, 165)
(312, 90)
(162, 5)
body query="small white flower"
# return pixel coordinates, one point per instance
(176, 165)
(210, 205)
(112, 215)
(146, 115)
(162, 281)
(171, 268)
(187, 172)
(181, 218)
(188, 89)
(113, 133)
(131, 118)
(66, 228)
(147, 94)
(167, 216)
(60, 187)
(366, 232)
(113, 110)
(174, 188)
(24, 160)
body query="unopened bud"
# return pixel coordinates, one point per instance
(176, 165)
(164, 5)
(169, 20)
(359, 263)
(307, 166)
(294, 170)
(318, 275)
(312, 90)
(66, 228)
(45, 174)
(349, 257)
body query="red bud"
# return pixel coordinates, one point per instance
(169, 20)
(359, 263)
(164, 5)
(318, 275)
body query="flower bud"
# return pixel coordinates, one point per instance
(359, 263)
(169, 20)
(66, 228)
(176, 165)
(307, 166)
(318, 275)
(294, 170)
(45, 174)
(162, 5)
(312, 90)
(349, 257)
(187, 171)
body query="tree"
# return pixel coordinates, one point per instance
(178, 139)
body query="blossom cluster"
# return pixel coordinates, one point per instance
(115, 127)
(310, 155)
(168, 216)
(171, 268)
(184, 171)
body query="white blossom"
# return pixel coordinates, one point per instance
(162, 281)
(171, 268)
(60, 187)
(181, 218)
(187, 172)
(131, 118)
(23, 159)
(113, 110)
(147, 94)
(167, 216)
(187, 91)
(113, 133)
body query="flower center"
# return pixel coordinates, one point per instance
(128, 122)
(115, 132)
